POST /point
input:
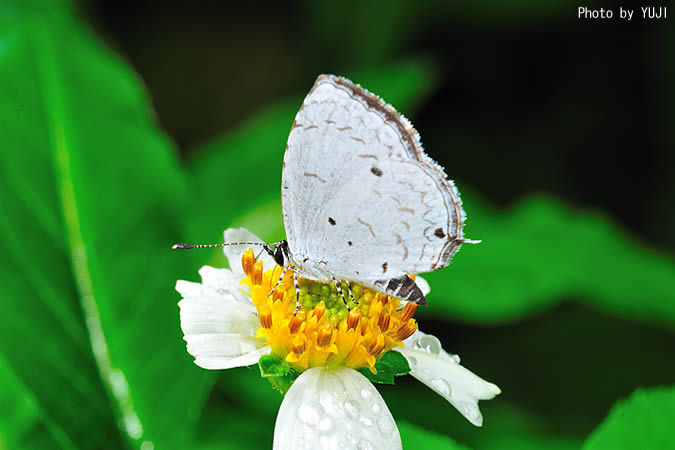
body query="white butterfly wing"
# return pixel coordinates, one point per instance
(360, 198)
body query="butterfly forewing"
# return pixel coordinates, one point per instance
(361, 200)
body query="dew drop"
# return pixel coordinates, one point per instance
(366, 421)
(326, 425)
(376, 409)
(221, 291)
(310, 413)
(366, 393)
(365, 445)
(352, 409)
(329, 400)
(385, 424)
(441, 386)
(429, 344)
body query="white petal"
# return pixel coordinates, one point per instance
(334, 409)
(225, 350)
(220, 282)
(234, 252)
(203, 314)
(187, 288)
(220, 362)
(442, 372)
(219, 328)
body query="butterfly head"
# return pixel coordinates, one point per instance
(278, 251)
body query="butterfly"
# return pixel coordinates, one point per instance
(361, 201)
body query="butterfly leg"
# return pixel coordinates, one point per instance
(297, 291)
(341, 294)
(283, 274)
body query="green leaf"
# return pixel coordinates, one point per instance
(542, 251)
(89, 189)
(23, 424)
(392, 364)
(414, 437)
(278, 372)
(643, 421)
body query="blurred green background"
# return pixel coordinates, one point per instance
(128, 126)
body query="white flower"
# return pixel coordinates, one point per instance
(324, 408)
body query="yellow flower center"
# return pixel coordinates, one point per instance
(325, 332)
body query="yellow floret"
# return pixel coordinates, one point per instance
(325, 332)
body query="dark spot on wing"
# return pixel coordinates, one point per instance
(404, 288)
(439, 233)
(350, 243)
(384, 267)
(331, 221)
(376, 171)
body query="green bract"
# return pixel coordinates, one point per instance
(392, 364)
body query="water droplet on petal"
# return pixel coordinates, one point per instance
(429, 344)
(365, 445)
(366, 421)
(376, 409)
(310, 413)
(221, 291)
(366, 394)
(385, 424)
(329, 400)
(352, 409)
(441, 386)
(326, 425)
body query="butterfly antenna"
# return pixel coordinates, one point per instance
(186, 246)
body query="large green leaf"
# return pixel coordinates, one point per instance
(89, 190)
(23, 424)
(543, 251)
(643, 421)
